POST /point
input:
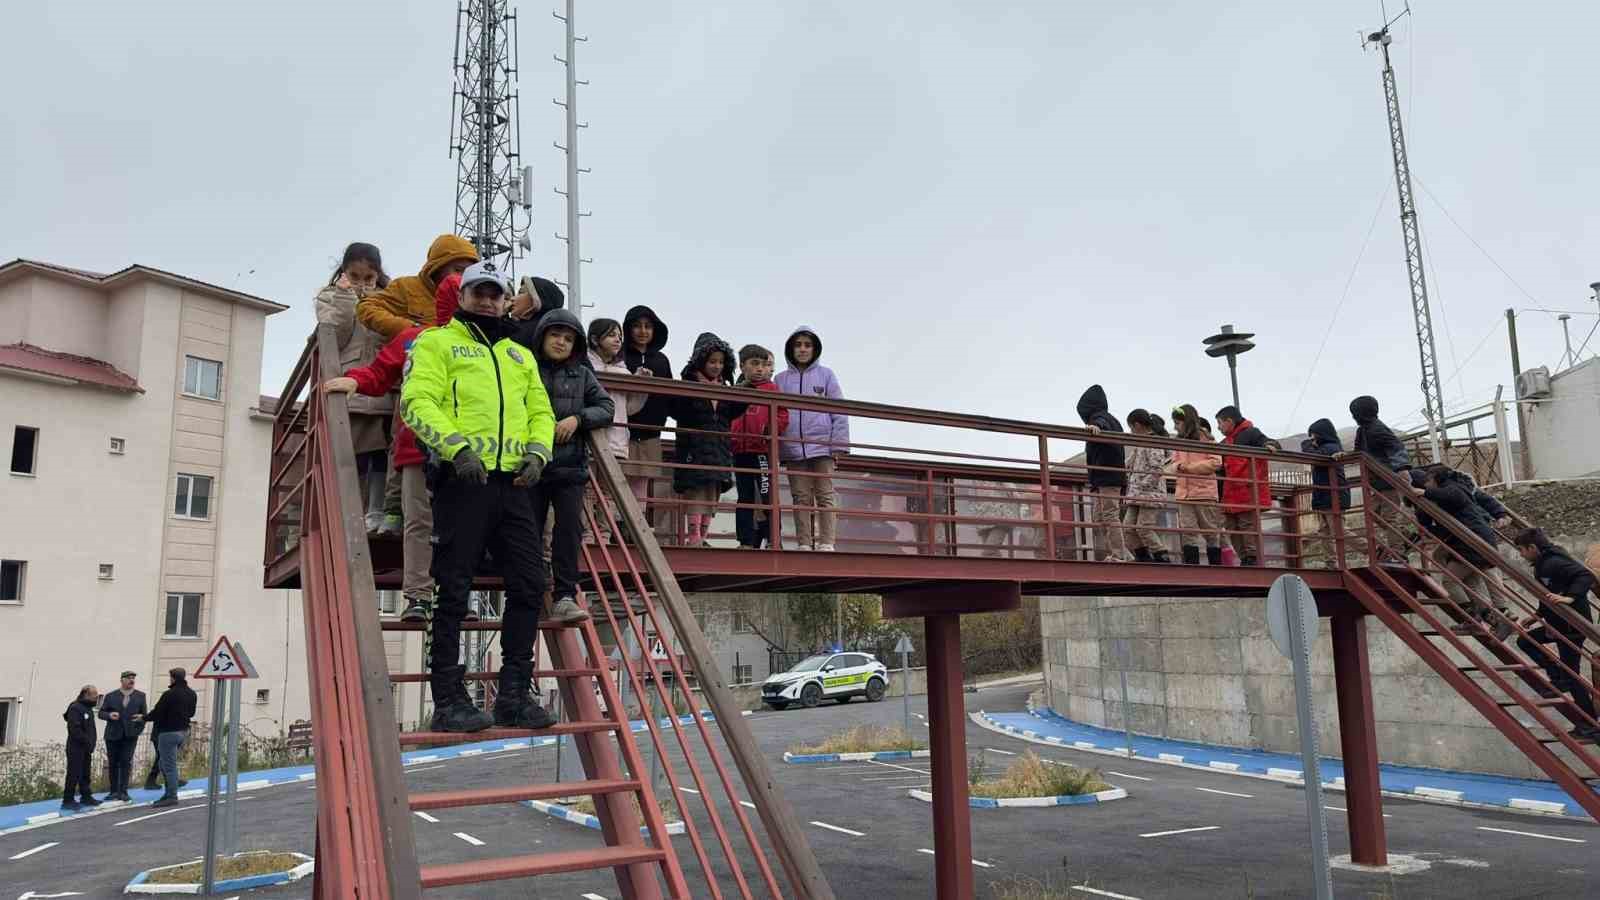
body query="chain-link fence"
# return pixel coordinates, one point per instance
(37, 770)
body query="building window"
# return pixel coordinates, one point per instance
(108, 571)
(202, 378)
(183, 615)
(194, 497)
(742, 675)
(119, 446)
(389, 603)
(8, 714)
(13, 579)
(741, 625)
(263, 696)
(24, 450)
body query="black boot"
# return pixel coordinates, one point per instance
(1191, 556)
(1160, 556)
(514, 706)
(1247, 560)
(1213, 556)
(1141, 554)
(453, 710)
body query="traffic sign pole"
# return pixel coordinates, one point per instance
(226, 665)
(1292, 623)
(219, 692)
(904, 648)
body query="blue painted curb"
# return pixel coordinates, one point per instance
(879, 756)
(557, 811)
(22, 816)
(1037, 802)
(1045, 726)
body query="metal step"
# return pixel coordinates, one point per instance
(445, 738)
(495, 795)
(1517, 667)
(1542, 701)
(479, 625)
(480, 870)
(422, 677)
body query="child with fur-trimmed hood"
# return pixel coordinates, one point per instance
(812, 441)
(702, 439)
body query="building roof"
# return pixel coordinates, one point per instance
(133, 273)
(37, 361)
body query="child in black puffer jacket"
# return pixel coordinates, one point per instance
(580, 404)
(702, 439)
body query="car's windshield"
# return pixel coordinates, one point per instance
(813, 663)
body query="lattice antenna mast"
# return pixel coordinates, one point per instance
(1432, 388)
(493, 188)
(575, 258)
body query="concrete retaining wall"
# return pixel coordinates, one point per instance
(1206, 670)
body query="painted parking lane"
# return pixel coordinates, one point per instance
(39, 849)
(1225, 793)
(837, 828)
(1532, 834)
(977, 862)
(1156, 834)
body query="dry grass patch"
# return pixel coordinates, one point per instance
(260, 862)
(1031, 776)
(664, 799)
(862, 739)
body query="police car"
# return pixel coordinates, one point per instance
(827, 676)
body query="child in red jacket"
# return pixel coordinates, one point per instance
(752, 447)
(375, 380)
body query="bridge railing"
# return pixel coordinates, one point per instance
(934, 483)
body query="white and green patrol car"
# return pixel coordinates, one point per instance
(827, 676)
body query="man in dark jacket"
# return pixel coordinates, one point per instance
(1108, 475)
(80, 748)
(123, 711)
(1463, 564)
(580, 405)
(643, 336)
(170, 719)
(1323, 440)
(1569, 583)
(1379, 441)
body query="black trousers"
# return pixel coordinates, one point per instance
(78, 776)
(468, 519)
(753, 488)
(1571, 657)
(564, 494)
(119, 759)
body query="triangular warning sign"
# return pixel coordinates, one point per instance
(221, 662)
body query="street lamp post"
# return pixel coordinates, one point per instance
(1229, 343)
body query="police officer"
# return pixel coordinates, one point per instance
(475, 401)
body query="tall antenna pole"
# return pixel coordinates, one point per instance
(492, 193)
(1432, 389)
(575, 258)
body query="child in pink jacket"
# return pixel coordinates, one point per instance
(1196, 470)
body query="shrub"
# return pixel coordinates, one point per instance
(1031, 776)
(862, 739)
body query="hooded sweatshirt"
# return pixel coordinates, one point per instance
(657, 407)
(1377, 439)
(628, 403)
(551, 299)
(1106, 462)
(409, 300)
(573, 391)
(811, 434)
(385, 372)
(708, 443)
(1561, 574)
(1322, 438)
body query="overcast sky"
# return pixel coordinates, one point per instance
(982, 207)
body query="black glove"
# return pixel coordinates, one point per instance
(532, 468)
(469, 467)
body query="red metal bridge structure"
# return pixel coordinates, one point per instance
(948, 514)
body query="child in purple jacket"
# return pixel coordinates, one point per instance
(812, 441)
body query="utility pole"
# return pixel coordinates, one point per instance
(1432, 389)
(494, 197)
(575, 259)
(1523, 456)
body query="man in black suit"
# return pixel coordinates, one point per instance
(123, 711)
(80, 747)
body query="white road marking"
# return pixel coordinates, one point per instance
(469, 839)
(747, 803)
(999, 751)
(426, 768)
(977, 862)
(425, 817)
(688, 790)
(165, 812)
(838, 829)
(593, 897)
(39, 849)
(903, 768)
(1099, 893)
(1532, 834)
(1225, 793)
(1126, 775)
(1342, 809)
(1180, 831)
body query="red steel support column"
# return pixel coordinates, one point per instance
(1359, 740)
(947, 739)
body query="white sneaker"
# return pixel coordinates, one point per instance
(824, 548)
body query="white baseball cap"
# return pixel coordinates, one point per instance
(480, 272)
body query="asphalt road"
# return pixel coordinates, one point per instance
(1253, 844)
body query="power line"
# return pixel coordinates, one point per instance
(1422, 184)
